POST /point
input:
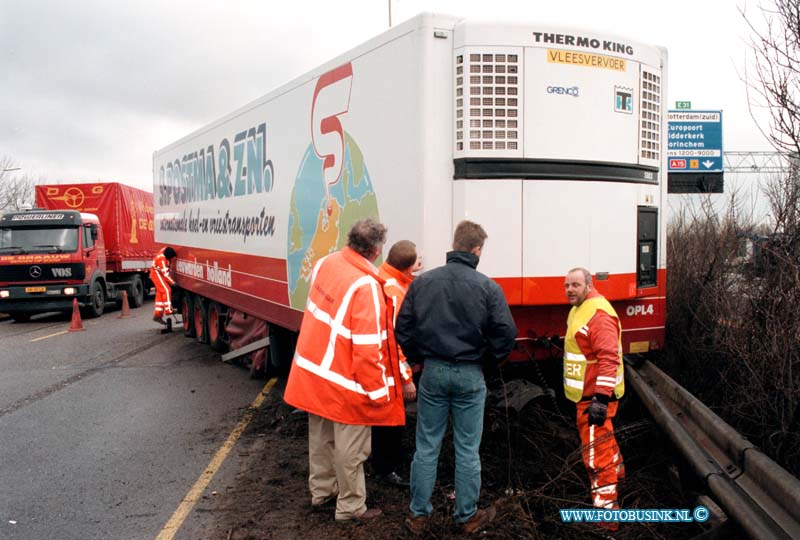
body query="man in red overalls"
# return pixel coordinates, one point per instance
(594, 378)
(160, 276)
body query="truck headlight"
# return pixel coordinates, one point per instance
(69, 291)
(5, 294)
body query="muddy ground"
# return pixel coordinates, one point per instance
(531, 468)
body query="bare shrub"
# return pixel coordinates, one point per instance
(732, 332)
(16, 190)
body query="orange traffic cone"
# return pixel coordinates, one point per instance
(76, 325)
(126, 310)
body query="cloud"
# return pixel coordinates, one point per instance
(91, 88)
(86, 85)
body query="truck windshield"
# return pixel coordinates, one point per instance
(47, 240)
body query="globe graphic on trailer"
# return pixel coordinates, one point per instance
(314, 232)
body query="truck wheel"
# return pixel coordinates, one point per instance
(187, 302)
(137, 292)
(200, 319)
(148, 287)
(216, 327)
(96, 302)
(281, 350)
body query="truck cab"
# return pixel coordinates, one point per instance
(47, 259)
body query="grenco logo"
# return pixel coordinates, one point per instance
(35, 272)
(573, 91)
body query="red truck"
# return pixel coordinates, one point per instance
(84, 241)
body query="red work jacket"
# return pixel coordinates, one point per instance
(160, 268)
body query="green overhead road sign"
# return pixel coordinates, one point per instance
(683, 104)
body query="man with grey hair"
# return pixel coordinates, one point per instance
(594, 380)
(344, 373)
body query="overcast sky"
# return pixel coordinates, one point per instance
(90, 89)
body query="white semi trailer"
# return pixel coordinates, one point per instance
(551, 138)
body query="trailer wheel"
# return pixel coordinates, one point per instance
(137, 292)
(186, 314)
(200, 319)
(96, 302)
(281, 350)
(216, 327)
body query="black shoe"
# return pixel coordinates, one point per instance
(392, 478)
(329, 503)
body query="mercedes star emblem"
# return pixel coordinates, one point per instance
(36, 272)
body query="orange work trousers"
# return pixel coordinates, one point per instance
(163, 305)
(602, 458)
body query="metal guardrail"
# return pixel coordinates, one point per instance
(762, 497)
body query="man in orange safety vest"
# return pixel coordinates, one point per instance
(387, 441)
(344, 373)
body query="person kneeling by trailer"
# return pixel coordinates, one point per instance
(161, 278)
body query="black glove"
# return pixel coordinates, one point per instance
(597, 411)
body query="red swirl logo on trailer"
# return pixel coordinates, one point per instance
(333, 188)
(331, 99)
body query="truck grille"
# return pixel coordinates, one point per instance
(41, 272)
(650, 113)
(488, 101)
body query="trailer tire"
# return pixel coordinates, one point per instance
(281, 350)
(96, 301)
(187, 300)
(200, 319)
(137, 292)
(216, 327)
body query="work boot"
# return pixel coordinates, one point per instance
(392, 478)
(416, 525)
(479, 520)
(158, 319)
(369, 514)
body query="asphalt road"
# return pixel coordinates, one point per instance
(103, 432)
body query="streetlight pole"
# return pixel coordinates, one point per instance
(390, 13)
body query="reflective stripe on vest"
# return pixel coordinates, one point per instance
(405, 368)
(574, 360)
(341, 380)
(337, 328)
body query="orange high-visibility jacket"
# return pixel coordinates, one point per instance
(593, 351)
(396, 287)
(159, 272)
(342, 368)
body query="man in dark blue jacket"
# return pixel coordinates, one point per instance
(455, 320)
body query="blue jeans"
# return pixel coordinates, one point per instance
(446, 389)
